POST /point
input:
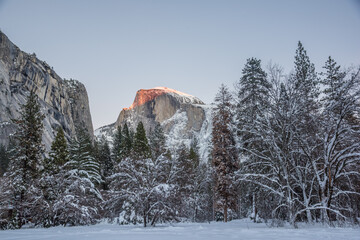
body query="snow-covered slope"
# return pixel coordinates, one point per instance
(184, 118)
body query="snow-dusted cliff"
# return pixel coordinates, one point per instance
(64, 102)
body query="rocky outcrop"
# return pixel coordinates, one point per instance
(64, 102)
(182, 116)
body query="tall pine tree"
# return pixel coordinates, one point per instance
(28, 137)
(253, 91)
(224, 153)
(27, 159)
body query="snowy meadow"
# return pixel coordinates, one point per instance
(238, 229)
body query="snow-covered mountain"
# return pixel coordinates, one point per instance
(183, 118)
(64, 102)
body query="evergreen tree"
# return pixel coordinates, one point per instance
(127, 143)
(194, 154)
(79, 201)
(190, 179)
(157, 141)
(52, 179)
(26, 161)
(305, 78)
(59, 154)
(333, 82)
(253, 93)
(141, 148)
(4, 159)
(82, 158)
(29, 149)
(106, 163)
(224, 153)
(117, 145)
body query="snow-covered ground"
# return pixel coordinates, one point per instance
(239, 229)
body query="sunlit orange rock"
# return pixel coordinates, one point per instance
(145, 95)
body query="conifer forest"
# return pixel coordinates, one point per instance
(285, 148)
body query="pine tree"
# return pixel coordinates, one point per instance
(189, 177)
(117, 145)
(52, 179)
(4, 159)
(333, 82)
(82, 158)
(253, 92)
(79, 201)
(157, 141)
(305, 78)
(194, 154)
(106, 163)
(127, 143)
(29, 136)
(59, 154)
(26, 161)
(141, 148)
(224, 152)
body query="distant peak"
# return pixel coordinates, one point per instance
(145, 95)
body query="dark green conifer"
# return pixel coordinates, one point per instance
(194, 155)
(59, 154)
(82, 156)
(106, 163)
(157, 141)
(4, 159)
(117, 144)
(126, 144)
(26, 160)
(29, 150)
(141, 149)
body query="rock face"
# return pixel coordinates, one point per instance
(64, 102)
(182, 116)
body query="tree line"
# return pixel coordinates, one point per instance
(82, 180)
(285, 148)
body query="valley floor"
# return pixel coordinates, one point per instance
(239, 229)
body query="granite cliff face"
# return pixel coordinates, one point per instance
(64, 102)
(182, 116)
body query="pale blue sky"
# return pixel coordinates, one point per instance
(118, 47)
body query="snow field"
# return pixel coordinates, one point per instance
(238, 229)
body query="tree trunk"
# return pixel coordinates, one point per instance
(254, 207)
(154, 219)
(225, 212)
(308, 216)
(144, 218)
